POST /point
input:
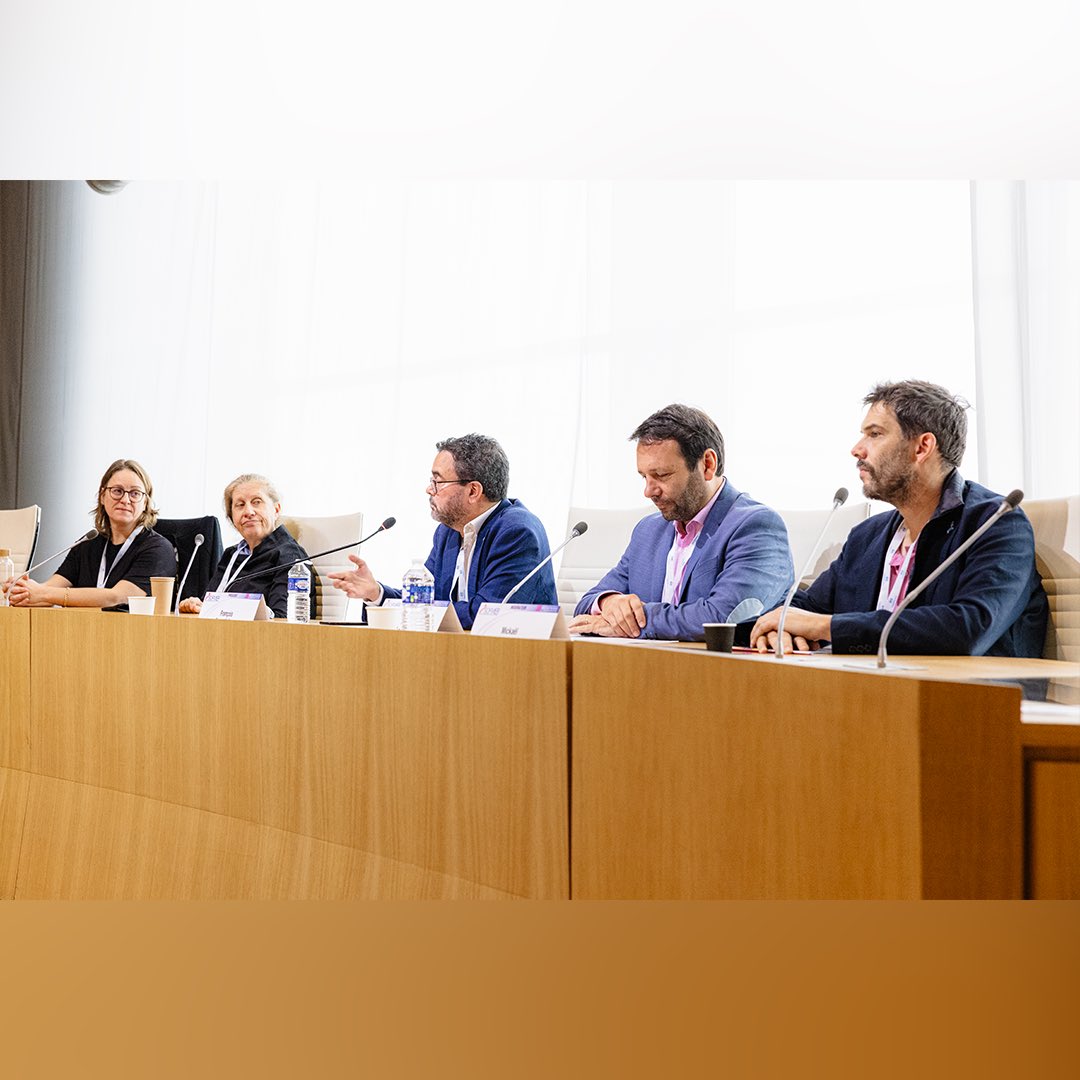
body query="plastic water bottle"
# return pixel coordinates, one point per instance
(299, 610)
(7, 570)
(417, 596)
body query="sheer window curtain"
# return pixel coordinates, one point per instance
(1026, 278)
(328, 333)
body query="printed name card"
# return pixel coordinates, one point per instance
(538, 622)
(441, 616)
(444, 618)
(240, 607)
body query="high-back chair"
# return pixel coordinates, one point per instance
(19, 534)
(588, 558)
(181, 533)
(803, 527)
(1057, 557)
(315, 534)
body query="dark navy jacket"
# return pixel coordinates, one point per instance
(741, 554)
(510, 543)
(990, 602)
(266, 571)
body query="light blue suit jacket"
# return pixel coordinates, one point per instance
(741, 554)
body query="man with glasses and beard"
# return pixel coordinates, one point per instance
(712, 554)
(989, 602)
(485, 542)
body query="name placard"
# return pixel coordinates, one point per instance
(444, 618)
(538, 622)
(240, 607)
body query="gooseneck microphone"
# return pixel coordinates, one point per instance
(199, 538)
(1010, 502)
(576, 531)
(838, 500)
(389, 523)
(88, 535)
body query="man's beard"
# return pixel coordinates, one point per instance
(447, 516)
(694, 496)
(889, 482)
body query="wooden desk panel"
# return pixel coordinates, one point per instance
(88, 842)
(1054, 830)
(434, 751)
(14, 688)
(14, 793)
(706, 776)
(180, 758)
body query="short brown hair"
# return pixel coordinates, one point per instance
(693, 430)
(149, 516)
(924, 406)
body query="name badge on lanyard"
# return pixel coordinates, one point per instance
(229, 577)
(103, 574)
(888, 597)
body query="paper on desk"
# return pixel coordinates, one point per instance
(1049, 712)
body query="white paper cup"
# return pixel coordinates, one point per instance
(141, 605)
(383, 618)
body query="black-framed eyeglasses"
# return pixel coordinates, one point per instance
(436, 484)
(135, 495)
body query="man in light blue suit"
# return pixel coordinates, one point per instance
(712, 554)
(485, 543)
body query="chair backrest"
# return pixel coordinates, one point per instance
(316, 534)
(19, 534)
(181, 533)
(803, 527)
(588, 558)
(1057, 556)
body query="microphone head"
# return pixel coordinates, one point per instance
(840, 497)
(1014, 498)
(90, 534)
(199, 538)
(389, 523)
(580, 527)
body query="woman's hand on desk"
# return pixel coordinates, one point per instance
(24, 592)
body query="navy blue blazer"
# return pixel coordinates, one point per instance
(510, 543)
(741, 554)
(989, 602)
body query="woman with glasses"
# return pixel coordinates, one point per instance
(120, 561)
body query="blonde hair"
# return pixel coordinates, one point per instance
(148, 518)
(249, 478)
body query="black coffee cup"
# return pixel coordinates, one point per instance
(719, 636)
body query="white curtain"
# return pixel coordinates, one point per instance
(328, 333)
(1026, 258)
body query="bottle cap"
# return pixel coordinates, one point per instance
(4, 552)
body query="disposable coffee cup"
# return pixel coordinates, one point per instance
(383, 618)
(141, 605)
(719, 636)
(161, 588)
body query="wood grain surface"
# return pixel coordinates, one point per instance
(14, 688)
(181, 758)
(433, 751)
(705, 776)
(1054, 830)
